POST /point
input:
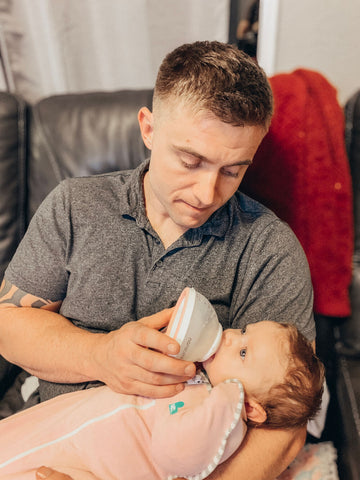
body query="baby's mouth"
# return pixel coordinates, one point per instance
(209, 360)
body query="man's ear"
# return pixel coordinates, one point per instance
(146, 122)
(254, 411)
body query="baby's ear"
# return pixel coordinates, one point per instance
(254, 411)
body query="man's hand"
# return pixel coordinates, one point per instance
(135, 359)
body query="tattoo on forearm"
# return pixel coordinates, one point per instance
(39, 304)
(17, 296)
(15, 299)
(6, 287)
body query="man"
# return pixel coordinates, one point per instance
(105, 257)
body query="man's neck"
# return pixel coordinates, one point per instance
(167, 230)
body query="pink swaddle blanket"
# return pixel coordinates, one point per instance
(100, 434)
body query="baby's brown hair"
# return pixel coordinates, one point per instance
(297, 399)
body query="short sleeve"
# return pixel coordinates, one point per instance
(39, 264)
(276, 284)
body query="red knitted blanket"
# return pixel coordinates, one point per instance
(301, 172)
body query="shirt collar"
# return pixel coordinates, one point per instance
(132, 202)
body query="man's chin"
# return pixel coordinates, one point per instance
(193, 224)
(193, 221)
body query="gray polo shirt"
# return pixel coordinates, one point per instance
(91, 245)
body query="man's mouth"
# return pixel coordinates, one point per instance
(195, 208)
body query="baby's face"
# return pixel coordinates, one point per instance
(256, 356)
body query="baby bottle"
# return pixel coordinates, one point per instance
(195, 326)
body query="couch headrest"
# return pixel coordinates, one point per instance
(83, 134)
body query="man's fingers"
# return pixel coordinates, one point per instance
(159, 319)
(159, 365)
(153, 361)
(136, 359)
(148, 384)
(145, 334)
(156, 391)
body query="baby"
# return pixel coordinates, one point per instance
(265, 375)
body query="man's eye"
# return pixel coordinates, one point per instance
(190, 165)
(189, 160)
(243, 353)
(230, 173)
(243, 330)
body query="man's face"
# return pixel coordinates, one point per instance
(257, 356)
(197, 164)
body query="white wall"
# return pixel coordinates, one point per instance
(71, 46)
(321, 35)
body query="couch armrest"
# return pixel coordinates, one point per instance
(13, 119)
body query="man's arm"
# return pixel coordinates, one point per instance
(263, 455)
(130, 360)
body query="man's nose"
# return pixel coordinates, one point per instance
(206, 188)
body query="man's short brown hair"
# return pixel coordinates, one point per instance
(219, 78)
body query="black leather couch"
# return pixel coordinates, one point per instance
(347, 333)
(81, 134)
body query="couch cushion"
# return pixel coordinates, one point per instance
(83, 134)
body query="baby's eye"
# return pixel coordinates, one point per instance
(243, 353)
(243, 330)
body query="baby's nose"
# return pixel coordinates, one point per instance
(228, 337)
